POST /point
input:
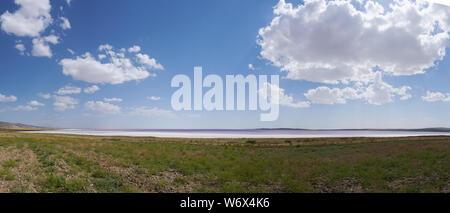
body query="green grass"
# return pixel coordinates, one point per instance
(7, 174)
(10, 163)
(67, 163)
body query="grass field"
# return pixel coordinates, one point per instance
(69, 163)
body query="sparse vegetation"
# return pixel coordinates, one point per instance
(69, 163)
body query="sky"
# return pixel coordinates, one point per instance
(109, 64)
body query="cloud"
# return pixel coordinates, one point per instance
(104, 47)
(31, 106)
(134, 49)
(154, 98)
(112, 99)
(285, 100)
(4, 98)
(443, 2)
(116, 70)
(21, 48)
(334, 42)
(101, 56)
(380, 93)
(62, 103)
(251, 67)
(41, 46)
(65, 24)
(24, 108)
(325, 95)
(150, 62)
(99, 106)
(152, 112)
(32, 18)
(44, 95)
(436, 96)
(376, 93)
(68, 90)
(35, 103)
(91, 89)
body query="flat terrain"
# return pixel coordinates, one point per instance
(32, 162)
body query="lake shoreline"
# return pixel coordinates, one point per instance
(253, 133)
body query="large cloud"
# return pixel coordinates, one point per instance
(111, 67)
(32, 18)
(332, 41)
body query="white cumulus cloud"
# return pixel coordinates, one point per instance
(436, 96)
(325, 95)
(21, 48)
(4, 98)
(251, 67)
(134, 49)
(44, 95)
(150, 62)
(154, 98)
(92, 89)
(380, 92)
(68, 90)
(376, 93)
(443, 2)
(65, 23)
(35, 103)
(334, 42)
(116, 70)
(285, 100)
(99, 106)
(24, 108)
(32, 18)
(41, 46)
(63, 103)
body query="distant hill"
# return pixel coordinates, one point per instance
(6, 125)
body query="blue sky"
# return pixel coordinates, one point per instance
(403, 84)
